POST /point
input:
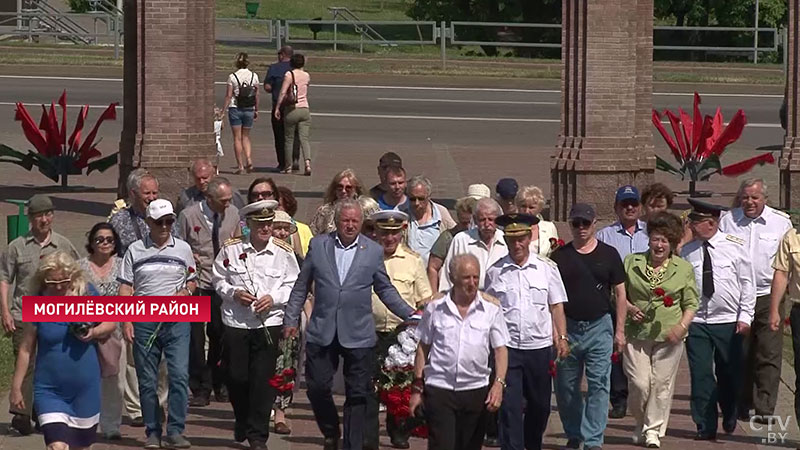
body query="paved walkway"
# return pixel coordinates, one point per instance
(212, 428)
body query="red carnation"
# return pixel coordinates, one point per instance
(420, 432)
(787, 322)
(243, 256)
(287, 387)
(560, 242)
(659, 291)
(616, 357)
(190, 269)
(226, 262)
(552, 370)
(668, 301)
(276, 381)
(553, 241)
(289, 373)
(196, 228)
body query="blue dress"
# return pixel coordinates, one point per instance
(66, 385)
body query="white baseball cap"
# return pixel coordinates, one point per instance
(159, 208)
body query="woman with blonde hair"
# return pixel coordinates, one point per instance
(530, 200)
(241, 101)
(66, 390)
(345, 184)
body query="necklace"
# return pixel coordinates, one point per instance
(655, 275)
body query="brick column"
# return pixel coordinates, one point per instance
(168, 91)
(605, 139)
(789, 163)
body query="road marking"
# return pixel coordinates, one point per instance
(411, 88)
(408, 117)
(442, 100)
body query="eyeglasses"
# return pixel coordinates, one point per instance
(165, 222)
(580, 223)
(417, 199)
(57, 282)
(629, 203)
(346, 187)
(100, 240)
(263, 194)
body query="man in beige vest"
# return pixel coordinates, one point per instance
(205, 226)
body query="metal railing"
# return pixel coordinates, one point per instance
(32, 25)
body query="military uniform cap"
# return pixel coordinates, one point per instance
(389, 219)
(702, 210)
(260, 211)
(516, 224)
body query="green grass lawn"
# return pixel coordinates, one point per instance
(6, 364)
(309, 9)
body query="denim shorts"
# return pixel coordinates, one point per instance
(241, 117)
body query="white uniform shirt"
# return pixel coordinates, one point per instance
(734, 296)
(526, 294)
(271, 271)
(763, 235)
(470, 242)
(459, 348)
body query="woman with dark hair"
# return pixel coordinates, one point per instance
(663, 298)
(344, 184)
(241, 101)
(288, 204)
(262, 188)
(294, 98)
(101, 268)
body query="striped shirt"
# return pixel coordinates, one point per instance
(157, 271)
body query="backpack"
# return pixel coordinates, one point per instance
(246, 98)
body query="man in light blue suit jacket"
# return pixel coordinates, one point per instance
(345, 267)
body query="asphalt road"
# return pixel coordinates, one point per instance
(405, 114)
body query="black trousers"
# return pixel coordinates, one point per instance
(321, 365)
(762, 354)
(395, 429)
(619, 382)
(250, 362)
(280, 140)
(205, 373)
(715, 367)
(456, 419)
(794, 321)
(529, 388)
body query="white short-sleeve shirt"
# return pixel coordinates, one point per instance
(244, 76)
(458, 359)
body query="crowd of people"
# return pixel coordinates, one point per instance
(505, 311)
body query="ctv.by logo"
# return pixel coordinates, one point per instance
(776, 427)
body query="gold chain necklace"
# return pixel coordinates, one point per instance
(655, 275)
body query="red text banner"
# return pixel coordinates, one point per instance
(116, 309)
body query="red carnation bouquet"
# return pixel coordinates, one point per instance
(285, 372)
(395, 377)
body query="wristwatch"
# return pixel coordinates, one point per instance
(501, 382)
(563, 337)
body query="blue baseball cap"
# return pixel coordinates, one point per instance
(627, 192)
(507, 188)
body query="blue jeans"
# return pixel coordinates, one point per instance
(591, 346)
(173, 342)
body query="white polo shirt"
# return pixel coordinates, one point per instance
(459, 348)
(763, 235)
(526, 293)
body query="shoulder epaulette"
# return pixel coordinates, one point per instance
(231, 241)
(491, 299)
(283, 244)
(547, 260)
(735, 239)
(119, 205)
(783, 214)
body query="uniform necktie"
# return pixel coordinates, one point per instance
(708, 272)
(215, 234)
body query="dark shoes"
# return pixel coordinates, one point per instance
(573, 443)
(137, 422)
(239, 436)
(175, 441)
(22, 423)
(331, 443)
(398, 442)
(221, 395)
(199, 401)
(729, 425)
(705, 436)
(491, 442)
(618, 412)
(258, 446)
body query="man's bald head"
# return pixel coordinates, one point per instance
(202, 171)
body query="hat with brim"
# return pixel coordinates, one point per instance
(702, 210)
(260, 211)
(479, 191)
(39, 203)
(516, 224)
(284, 217)
(582, 211)
(389, 220)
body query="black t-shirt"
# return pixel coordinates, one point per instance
(586, 300)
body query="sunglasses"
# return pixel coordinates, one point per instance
(629, 203)
(165, 222)
(57, 282)
(100, 240)
(263, 194)
(580, 223)
(346, 188)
